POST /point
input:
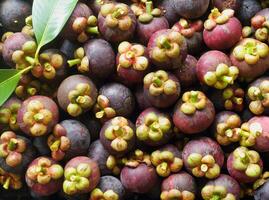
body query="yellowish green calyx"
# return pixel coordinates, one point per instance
(192, 101)
(177, 194)
(249, 132)
(216, 192)
(98, 194)
(102, 108)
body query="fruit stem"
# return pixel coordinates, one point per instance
(149, 6)
(74, 62)
(12, 145)
(117, 13)
(7, 183)
(158, 82)
(165, 43)
(215, 197)
(55, 145)
(30, 60)
(93, 30)
(194, 97)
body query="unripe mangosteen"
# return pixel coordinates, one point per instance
(254, 133)
(167, 49)
(223, 187)
(244, 165)
(16, 152)
(258, 96)
(70, 138)
(226, 127)
(178, 186)
(153, 127)
(167, 160)
(194, 113)
(114, 99)
(186, 74)
(203, 157)
(8, 114)
(13, 14)
(214, 69)
(19, 50)
(44, 176)
(81, 176)
(225, 4)
(81, 24)
(38, 115)
(96, 59)
(222, 30)
(132, 62)
(139, 178)
(116, 22)
(118, 136)
(108, 188)
(251, 57)
(76, 95)
(149, 20)
(161, 88)
(192, 31)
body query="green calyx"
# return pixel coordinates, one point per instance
(249, 133)
(234, 98)
(177, 194)
(102, 108)
(216, 192)
(10, 180)
(222, 77)
(154, 128)
(150, 13)
(8, 116)
(98, 194)
(192, 101)
(247, 161)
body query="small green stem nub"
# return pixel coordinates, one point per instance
(74, 62)
(194, 97)
(149, 6)
(55, 145)
(12, 145)
(7, 183)
(117, 13)
(30, 60)
(165, 43)
(215, 197)
(93, 30)
(158, 82)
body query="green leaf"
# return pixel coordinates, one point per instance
(9, 79)
(49, 18)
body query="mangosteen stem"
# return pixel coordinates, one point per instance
(158, 82)
(227, 79)
(12, 145)
(30, 60)
(74, 62)
(194, 97)
(31, 91)
(7, 183)
(215, 197)
(117, 13)
(149, 6)
(93, 30)
(100, 114)
(165, 43)
(55, 145)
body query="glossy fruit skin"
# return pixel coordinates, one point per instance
(196, 123)
(145, 30)
(79, 137)
(167, 7)
(69, 84)
(13, 43)
(172, 63)
(207, 146)
(180, 181)
(120, 98)
(140, 179)
(92, 124)
(101, 58)
(223, 4)
(141, 101)
(81, 10)
(186, 74)
(13, 14)
(191, 9)
(48, 104)
(111, 183)
(240, 176)
(41, 145)
(96, 5)
(43, 190)
(249, 72)
(27, 157)
(95, 175)
(262, 192)
(247, 10)
(116, 35)
(223, 36)
(231, 185)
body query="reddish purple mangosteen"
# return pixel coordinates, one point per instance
(214, 69)
(132, 62)
(161, 88)
(244, 165)
(76, 95)
(44, 176)
(167, 49)
(81, 24)
(226, 127)
(179, 186)
(193, 113)
(203, 157)
(116, 22)
(192, 31)
(223, 187)
(225, 4)
(222, 30)
(254, 133)
(81, 175)
(167, 160)
(153, 127)
(118, 136)
(251, 57)
(38, 115)
(258, 96)
(150, 20)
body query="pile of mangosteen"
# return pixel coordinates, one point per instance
(137, 100)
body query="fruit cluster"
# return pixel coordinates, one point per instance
(138, 99)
